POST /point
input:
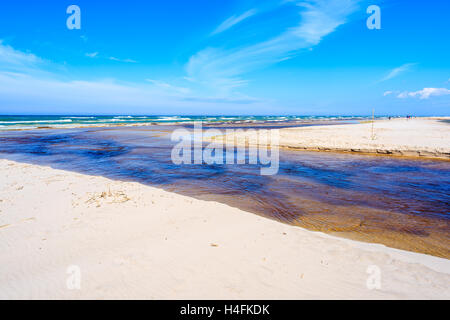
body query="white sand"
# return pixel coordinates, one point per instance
(415, 137)
(134, 241)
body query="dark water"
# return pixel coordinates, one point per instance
(401, 203)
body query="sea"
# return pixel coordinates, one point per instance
(23, 122)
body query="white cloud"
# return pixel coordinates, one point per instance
(96, 55)
(122, 60)
(233, 20)
(222, 69)
(17, 60)
(28, 93)
(397, 71)
(403, 95)
(168, 87)
(92, 55)
(31, 88)
(425, 93)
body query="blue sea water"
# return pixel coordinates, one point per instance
(17, 122)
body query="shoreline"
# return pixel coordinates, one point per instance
(407, 154)
(226, 124)
(322, 135)
(135, 241)
(423, 138)
(180, 124)
(133, 122)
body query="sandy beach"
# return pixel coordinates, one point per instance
(418, 137)
(128, 240)
(251, 151)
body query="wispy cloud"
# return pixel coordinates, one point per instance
(122, 60)
(398, 71)
(233, 20)
(222, 69)
(97, 55)
(30, 85)
(24, 93)
(14, 59)
(92, 55)
(168, 87)
(425, 93)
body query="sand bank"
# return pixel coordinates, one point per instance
(128, 240)
(420, 137)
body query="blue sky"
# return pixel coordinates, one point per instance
(304, 57)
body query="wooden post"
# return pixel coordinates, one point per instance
(373, 120)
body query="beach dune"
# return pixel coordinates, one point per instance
(65, 235)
